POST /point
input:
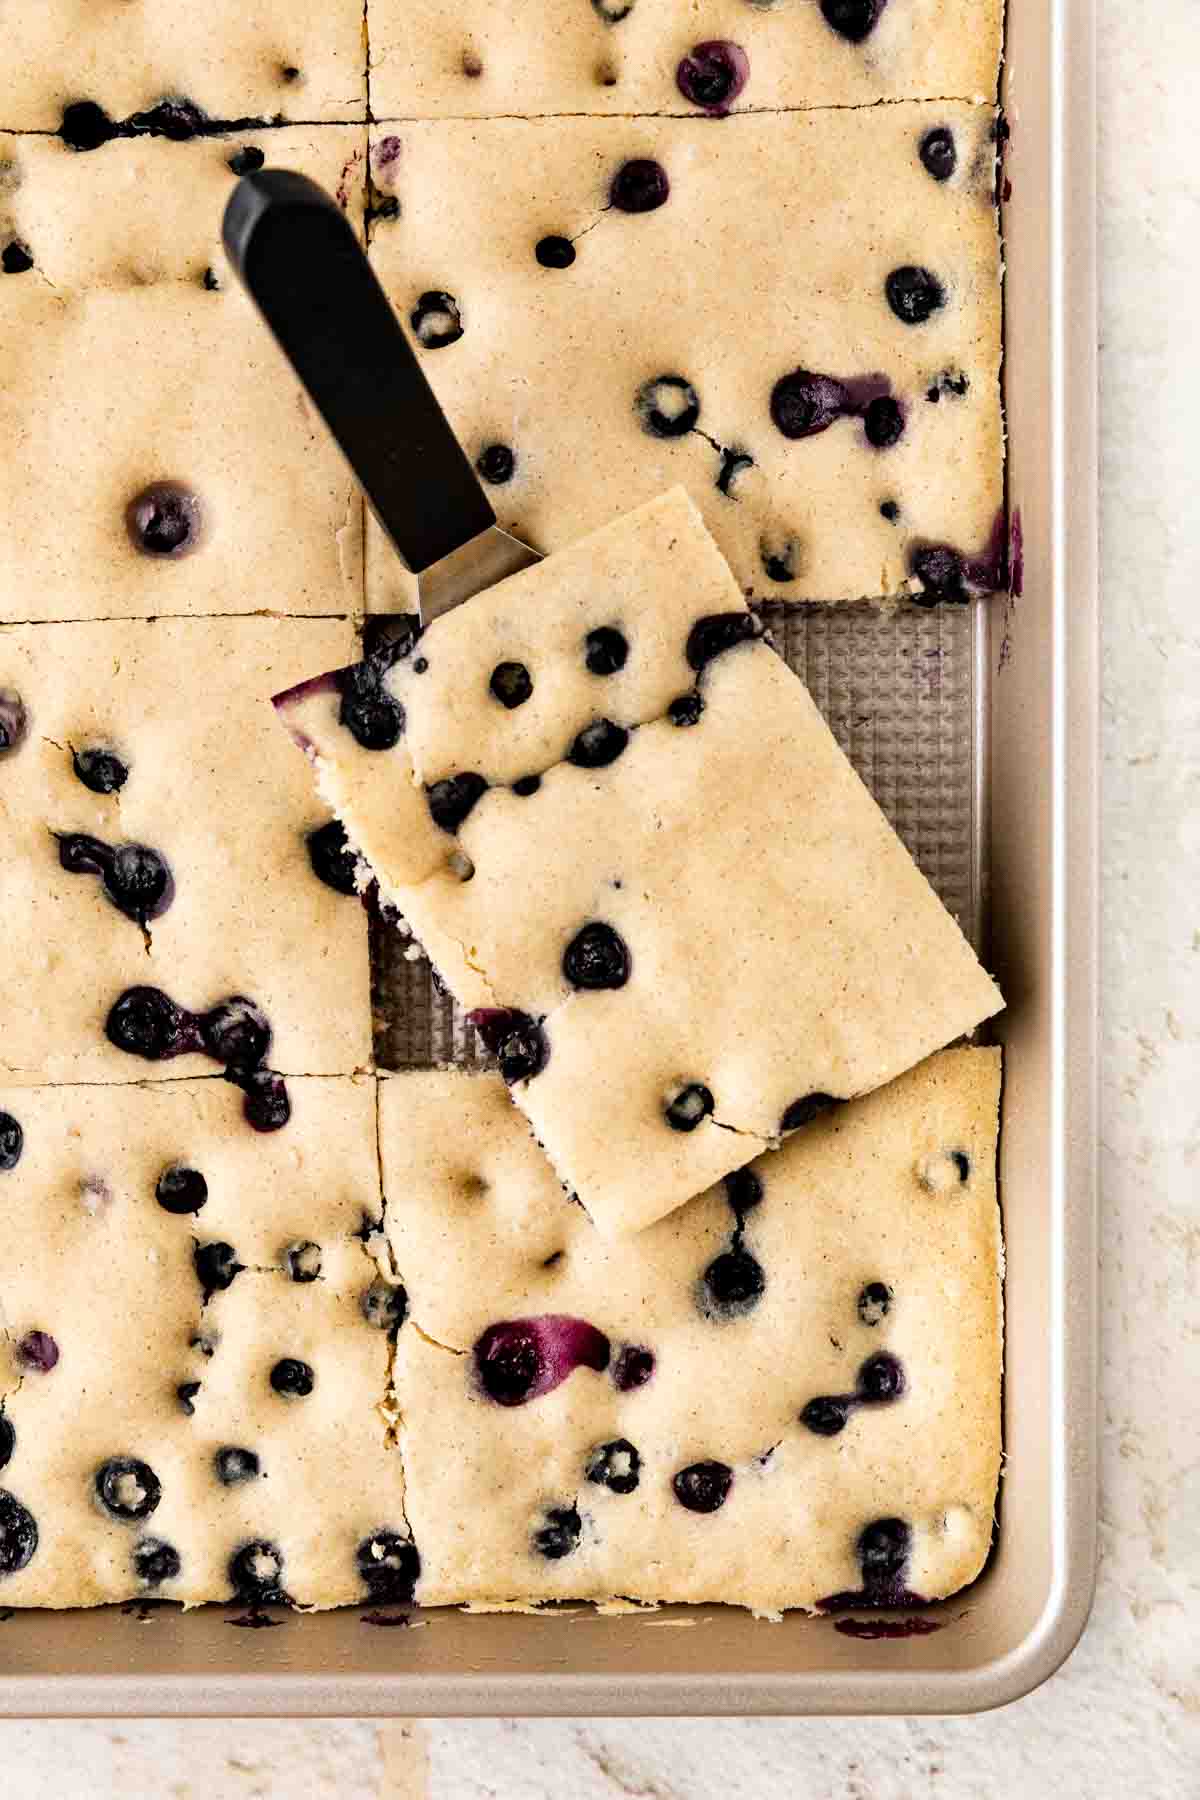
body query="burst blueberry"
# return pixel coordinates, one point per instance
(137, 879)
(686, 709)
(632, 1368)
(293, 1378)
(689, 1107)
(389, 1564)
(668, 406)
(256, 1574)
(303, 1260)
(717, 632)
(712, 75)
(883, 422)
(436, 320)
(804, 403)
(146, 1022)
(615, 1465)
(266, 1104)
(384, 1305)
(216, 1266)
(517, 1360)
(874, 1302)
(18, 1534)
(127, 1487)
(180, 1190)
(235, 1465)
(560, 1534)
(14, 720)
(155, 1561)
(805, 1110)
(246, 160)
(939, 569)
(236, 1032)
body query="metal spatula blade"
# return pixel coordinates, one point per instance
(299, 260)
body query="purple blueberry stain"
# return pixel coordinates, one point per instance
(165, 520)
(37, 1351)
(712, 75)
(137, 879)
(518, 1360)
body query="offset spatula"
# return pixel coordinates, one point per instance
(305, 270)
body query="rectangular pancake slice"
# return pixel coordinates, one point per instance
(786, 1394)
(803, 327)
(685, 928)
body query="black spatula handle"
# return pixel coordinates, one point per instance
(304, 268)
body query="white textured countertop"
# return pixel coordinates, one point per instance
(1124, 1715)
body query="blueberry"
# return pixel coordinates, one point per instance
(733, 1283)
(511, 683)
(129, 1489)
(853, 20)
(889, 510)
(267, 1106)
(703, 1487)
(436, 320)
(86, 126)
(8, 1440)
(606, 650)
(913, 294)
(100, 770)
(388, 638)
(962, 1163)
(689, 1106)
(209, 281)
(883, 422)
(555, 252)
(136, 879)
(497, 463)
(526, 785)
(146, 1022)
(332, 859)
(303, 1260)
(373, 717)
(390, 1566)
(15, 258)
(516, 1041)
(246, 160)
(236, 1032)
(596, 957)
(37, 1350)
(384, 1305)
(718, 632)
(938, 152)
(779, 558)
(826, 1415)
(733, 462)
(180, 1190)
(560, 1534)
(205, 1343)
(175, 118)
(874, 1302)
(940, 571)
(509, 1363)
(216, 1266)
(155, 1561)
(451, 800)
(256, 1572)
(186, 1393)
(668, 407)
(883, 1548)
(805, 1110)
(686, 709)
(613, 11)
(616, 1466)
(743, 1190)
(598, 744)
(14, 721)
(881, 1378)
(802, 404)
(164, 519)
(633, 1368)
(235, 1465)
(520, 1359)
(18, 1534)
(713, 74)
(639, 186)
(12, 1142)
(293, 1378)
